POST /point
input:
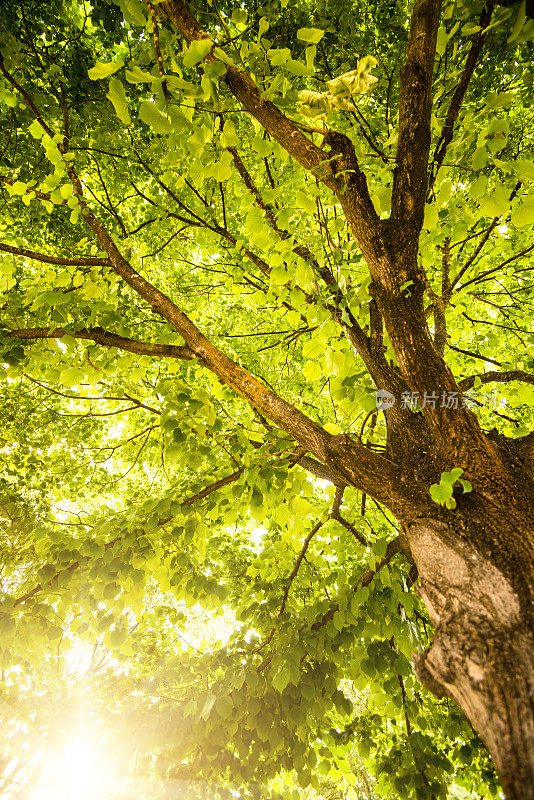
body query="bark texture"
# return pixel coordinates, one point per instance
(482, 654)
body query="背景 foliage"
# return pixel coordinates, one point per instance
(144, 493)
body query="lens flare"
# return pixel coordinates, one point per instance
(78, 771)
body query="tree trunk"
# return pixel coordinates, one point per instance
(482, 654)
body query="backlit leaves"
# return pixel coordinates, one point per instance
(340, 90)
(523, 215)
(104, 70)
(151, 116)
(118, 98)
(197, 51)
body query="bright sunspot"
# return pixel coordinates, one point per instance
(78, 771)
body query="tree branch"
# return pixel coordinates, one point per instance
(483, 276)
(475, 355)
(416, 759)
(298, 562)
(410, 179)
(482, 242)
(360, 467)
(100, 336)
(80, 261)
(282, 129)
(373, 358)
(397, 545)
(30, 190)
(85, 559)
(159, 58)
(344, 177)
(346, 181)
(254, 191)
(10, 79)
(447, 131)
(496, 377)
(349, 527)
(321, 471)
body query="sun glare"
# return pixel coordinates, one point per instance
(78, 771)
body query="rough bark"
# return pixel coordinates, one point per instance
(482, 653)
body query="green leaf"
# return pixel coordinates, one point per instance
(334, 361)
(36, 130)
(469, 29)
(133, 9)
(441, 492)
(239, 16)
(523, 215)
(197, 51)
(497, 203)
(480, 158)
(298, 68)
(111, 590)
(118, 98)
(306, 201)
(380, 547)
(339, 620)
(222, 56)
(442, 40)
(431, 216)
(312, 371)
(281, 679)
(224, 706)
(501, 100)
(222, 170)
(313, 347)
(101, 70)
(263, 26)
(262, 146)
(137, 75)
(279, 276)
(524, 168)
(117, 637)
(18, 188)
(519, 22)
(229, 137)
(150, 114)
(310, 35)
(452, 476)
(333, 428)
(279, 57)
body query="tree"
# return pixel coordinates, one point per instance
(365, 219)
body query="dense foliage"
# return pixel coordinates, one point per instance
(249, 616)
